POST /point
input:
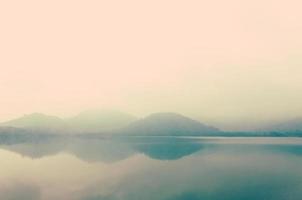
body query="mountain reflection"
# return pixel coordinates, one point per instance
(161, 168)
(167, 151)
(107, 150)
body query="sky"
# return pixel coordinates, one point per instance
(230, 63)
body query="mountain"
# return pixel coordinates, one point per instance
(168, 124)
(294, 125)
(100, 120)
(88, 121)
(36, 121)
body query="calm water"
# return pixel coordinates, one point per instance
(152, 169)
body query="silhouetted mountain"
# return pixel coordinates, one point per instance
(168, 124)
(100, 120)
(37, 121)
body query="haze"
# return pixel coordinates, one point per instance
(229, 63)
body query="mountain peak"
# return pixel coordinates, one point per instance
(169, 124)
(35, 120)
(38, 115)
(166, 115)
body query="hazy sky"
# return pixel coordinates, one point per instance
(221, 61)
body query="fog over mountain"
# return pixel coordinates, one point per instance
(168, 124)
(87, 121)
(107, 122)
(294, 125)
(110, 122)
(36, 121)
(100, 120)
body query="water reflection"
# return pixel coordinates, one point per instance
(107, 150)
(152, 168)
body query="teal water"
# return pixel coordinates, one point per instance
(154, 168)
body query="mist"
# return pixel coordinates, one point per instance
(214, 61)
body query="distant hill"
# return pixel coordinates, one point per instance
(109, 122)
(168, 124)
(96, 121)
(36, 121)
(294, 125)
(100, 120)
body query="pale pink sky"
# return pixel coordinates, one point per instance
(219, 61)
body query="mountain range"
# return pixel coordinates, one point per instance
(110, 122)
(293, 125)
(89, 121)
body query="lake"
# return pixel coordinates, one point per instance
(152, 168)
